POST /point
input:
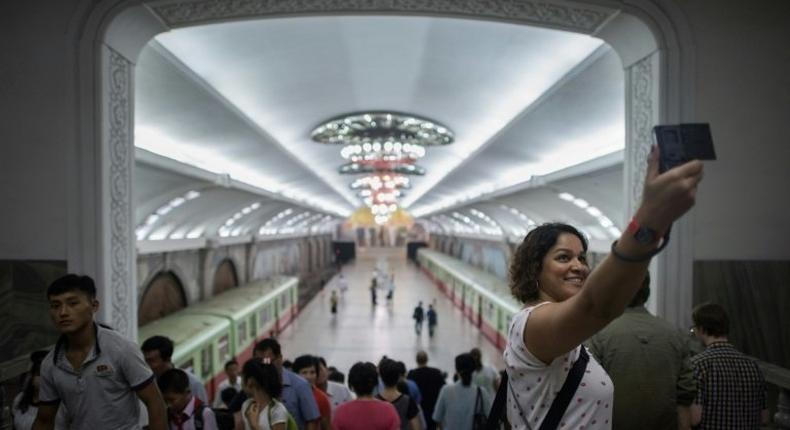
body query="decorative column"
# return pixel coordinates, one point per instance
(118, 289)
(671, 271)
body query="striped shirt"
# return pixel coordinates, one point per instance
(730, 388)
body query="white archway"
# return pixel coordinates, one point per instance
(651, 39)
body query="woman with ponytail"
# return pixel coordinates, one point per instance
(458, 403)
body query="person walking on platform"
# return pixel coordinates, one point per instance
(333, 302)
(730, 385)
(342, 283)
(373, 286)
(432, 320)
(418, 316)
(390, 283)
(94, 371)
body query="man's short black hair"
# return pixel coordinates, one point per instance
(269, 344)
(173, 381)
(228, 394)
(641, 296)
(363, 377)
(163, 344)
(389, 371)
(336, 376)
(72, 282)
(304, 361)
(712, 318)
(231, 363)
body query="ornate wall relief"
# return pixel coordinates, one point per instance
(117, 118)
(568, 16)
(641, 119)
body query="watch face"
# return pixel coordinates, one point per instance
(645, 236)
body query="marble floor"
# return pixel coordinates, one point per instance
(362, 332)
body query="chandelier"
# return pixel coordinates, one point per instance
(384, 146)
(371, 127)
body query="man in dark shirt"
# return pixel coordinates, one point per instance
(430, 381)
(730, 386)
(648, 360)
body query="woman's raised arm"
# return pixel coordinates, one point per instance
(556, 328)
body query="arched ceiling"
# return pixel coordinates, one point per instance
(227, 109)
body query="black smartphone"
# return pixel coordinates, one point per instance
(683, 142)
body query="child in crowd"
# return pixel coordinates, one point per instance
(184, 411)
(262, 410)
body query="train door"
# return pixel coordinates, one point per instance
(207, 368)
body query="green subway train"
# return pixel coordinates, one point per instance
(483, 298)
(209, 333)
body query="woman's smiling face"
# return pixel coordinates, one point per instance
(564, 269)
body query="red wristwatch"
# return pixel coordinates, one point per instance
(642, 234)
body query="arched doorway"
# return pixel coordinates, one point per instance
(653, 44)
(163, 295)
(224, 277)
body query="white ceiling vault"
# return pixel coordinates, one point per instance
(239, 101)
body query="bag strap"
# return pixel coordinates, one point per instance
(563, 399)
(198, 414)
(558, 406)
(495, 415)
(478, 402)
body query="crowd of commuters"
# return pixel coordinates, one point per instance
(583, 353)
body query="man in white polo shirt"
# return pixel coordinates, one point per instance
(97, 373)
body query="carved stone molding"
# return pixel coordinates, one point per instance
(568, 16)
(119, 125)
(641, 118)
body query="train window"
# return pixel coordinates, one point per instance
(223, 349)
(283, 301)
(264, 316)
(251, 325)
(205, 362)
(188, 365)
(242, 330)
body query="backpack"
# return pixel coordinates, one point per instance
(223, 417)
(290, 424)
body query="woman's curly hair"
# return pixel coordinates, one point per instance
(527, 261)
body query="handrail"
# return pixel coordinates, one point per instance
(779, 376)
(774, 374)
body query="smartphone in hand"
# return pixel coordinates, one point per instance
(681, 143)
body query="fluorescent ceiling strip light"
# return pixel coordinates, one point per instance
(519, 100)
(157, 142)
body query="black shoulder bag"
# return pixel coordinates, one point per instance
(558, 406)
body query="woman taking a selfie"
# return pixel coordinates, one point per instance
(566, 304)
